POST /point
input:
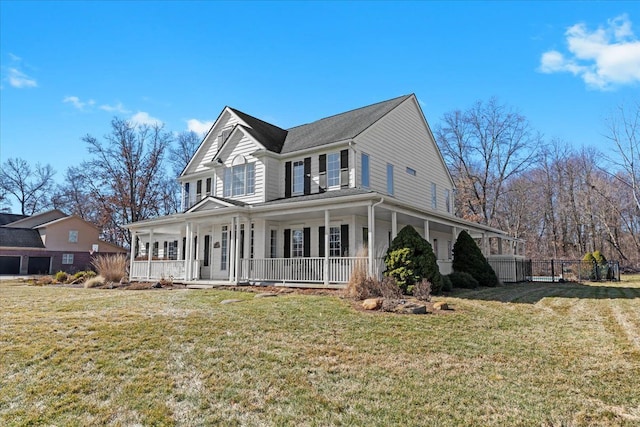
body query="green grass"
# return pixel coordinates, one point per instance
(528, 354)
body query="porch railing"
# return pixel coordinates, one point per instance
(164, 269)
(301, 270)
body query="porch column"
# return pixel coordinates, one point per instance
(232, 248)
(325, 266)
(237, 257)
(149, 254)
(371, 223)
(134, 237)
(394, 224)
(187, 252)
(426, 232)
(197, 244)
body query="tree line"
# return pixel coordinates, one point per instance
(562, 201)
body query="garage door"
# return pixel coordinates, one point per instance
(39, 265)
(9, 265)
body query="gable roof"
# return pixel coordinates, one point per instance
(339, 127)
(20, 238)
(7, 218)
(271, 136)
(39, 219)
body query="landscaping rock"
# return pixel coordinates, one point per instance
(372, 303)
(230, 301)
(440, 305)
(266, 295)
(411, 308)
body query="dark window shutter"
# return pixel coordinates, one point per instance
(307, 175)
(307, 242)
(344, 239)
(322, 168)
(207, 243)
(344, 168)
(287, 242)
(184, 247)
(287, 179)
(321, 241)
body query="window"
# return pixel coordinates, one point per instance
(390, 179)
(273, 248)
(224, 247)
(199, 190)
(435, 248)
(155, 249)
(239, 180)
(298, 177)
(334, 241)
(333, 170)
(447, 200)
(434, 196)
(364, 170)
(365, 237)
(185, 197)
(297, 243)
(173, 250)
(73, 236)
(411, 171)
(67, 258)
(449, 250)
(208, 186)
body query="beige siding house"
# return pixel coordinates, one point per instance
(302, 205)
(49, 242)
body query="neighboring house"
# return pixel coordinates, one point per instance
(265, 204)
(49, 242)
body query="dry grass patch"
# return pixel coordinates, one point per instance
(533, 354)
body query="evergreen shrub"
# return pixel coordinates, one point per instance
(468, 258)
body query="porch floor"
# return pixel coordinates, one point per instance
(209, 284)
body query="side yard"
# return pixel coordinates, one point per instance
(526, 354)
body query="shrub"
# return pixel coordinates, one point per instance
(94, 282)
(61, 277)
(44, 280)
(461, 279)
(447, 286)
(111, 267)
(468, 258)
(422, 290)
(410, 259)
(388, 288)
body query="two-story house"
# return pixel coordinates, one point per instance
(302, 205)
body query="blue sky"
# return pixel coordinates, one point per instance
(68, 67)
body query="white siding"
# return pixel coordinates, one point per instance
(402, 139)
(274, 178)
(241, 145)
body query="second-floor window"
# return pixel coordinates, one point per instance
(239, 180)
(434, 196)
(73, 236)
(390, 179)
(364, 171)
(447, 200)
(333, 170)
(298, 177)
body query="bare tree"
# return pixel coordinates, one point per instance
(73, 196)
(126, 172)
(485, 146)
(186, 145)
(624, 132)
(31, 187)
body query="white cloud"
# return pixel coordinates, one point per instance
(603, 58)
(118, 108)
(195, 125)
(143, 118)
(20, 80)
(75, 101)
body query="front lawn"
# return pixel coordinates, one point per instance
(527, 354)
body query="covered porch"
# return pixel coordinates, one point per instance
(310, 241)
